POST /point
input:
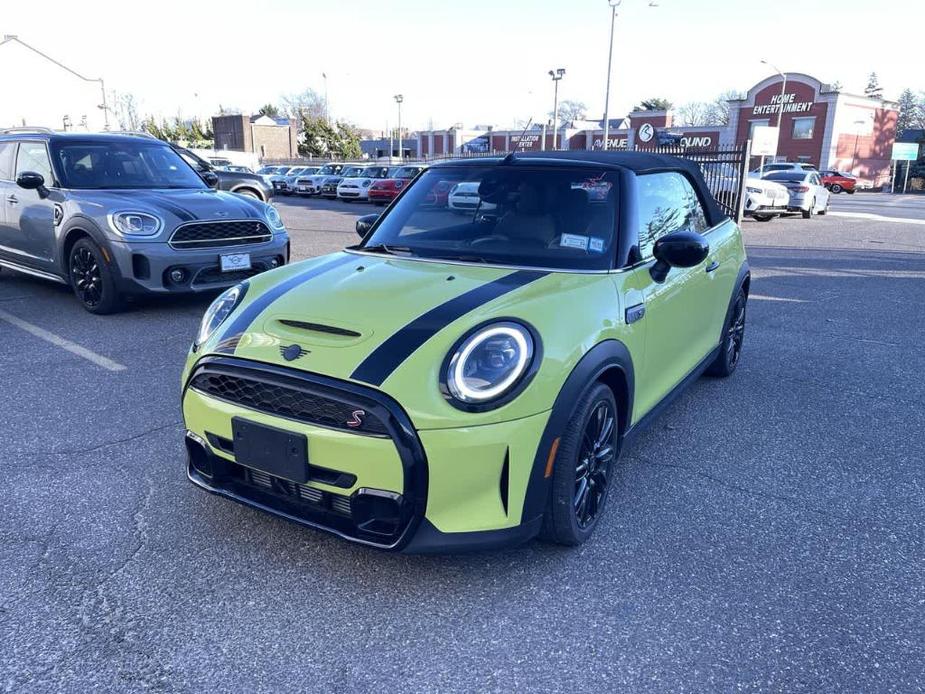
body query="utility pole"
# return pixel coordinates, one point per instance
(780, 110)
(556, 75)
(398, 99)
(9, 38)
(614, 4)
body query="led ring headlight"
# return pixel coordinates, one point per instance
(218, 311)
(489, 364)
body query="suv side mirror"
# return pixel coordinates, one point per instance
(211, 178)
(680, 249)
(30, 180)
(365, 223)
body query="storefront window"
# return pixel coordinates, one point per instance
(803, 128)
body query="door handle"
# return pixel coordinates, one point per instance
(635, 313)
(13, 200)
(713, 266)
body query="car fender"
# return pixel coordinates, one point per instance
(602, 358)
(83, 224)
(250, 186)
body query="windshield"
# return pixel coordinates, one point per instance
(407, 172)
(786, 176)
(123, 165)
(329, 169)
(537, 217)
(352, 172)
(295, 171)
(375, 172)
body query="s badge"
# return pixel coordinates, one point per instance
(356, 419)
(292, 352)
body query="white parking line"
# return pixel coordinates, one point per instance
(57, 341)
(876, 217)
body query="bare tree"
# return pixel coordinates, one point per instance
(570, 110)
(125, 109)
(304, 103)
(692, 114)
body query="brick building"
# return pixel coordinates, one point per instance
(268, 138)
(820, 125)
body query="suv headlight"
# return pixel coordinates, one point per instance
(273, 218)
(135, 223)
(219, 310)
(750, 189)
(490, 366)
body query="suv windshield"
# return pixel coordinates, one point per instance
(352, 172)
(549, 217)
(90, 165)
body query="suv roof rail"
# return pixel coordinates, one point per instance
(27, 129)
(136, 133)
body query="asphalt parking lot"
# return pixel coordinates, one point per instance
(766, 533)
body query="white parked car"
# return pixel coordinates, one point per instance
(357, 187)
(770, 167)
(764, 200)
(288, 185)
(807, 194)
(465, 196)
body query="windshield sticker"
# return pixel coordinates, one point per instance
(574, 241)
(596, 245)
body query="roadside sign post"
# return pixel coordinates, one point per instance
(764, 142)
(907, 152)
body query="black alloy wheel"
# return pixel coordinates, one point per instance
(595, 459)
(91, 278)
(730, 347)
(583, 468)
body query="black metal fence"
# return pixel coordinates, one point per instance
(725, 169)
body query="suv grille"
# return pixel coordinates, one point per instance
(291, 403)
(219, 234)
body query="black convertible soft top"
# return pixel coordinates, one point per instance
(637, 162)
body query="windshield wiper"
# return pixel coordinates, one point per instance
(387, 249)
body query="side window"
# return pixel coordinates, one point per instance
(7, 152)
(34, 157)
(667, 203)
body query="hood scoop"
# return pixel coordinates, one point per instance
(316, 331)
(320, 328)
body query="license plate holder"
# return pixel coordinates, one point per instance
(272, 450)
(232, 262)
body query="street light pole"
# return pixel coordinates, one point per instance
(614, 4)
(398, 99)
(327, 113)
(783, 91)
(556, 75)
(8, 38)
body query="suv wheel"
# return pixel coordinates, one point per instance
(583, 469)
(91, 279)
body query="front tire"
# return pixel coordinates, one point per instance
(248, 193)
(730, 349)
(583, 469)
(763, 217)
(91, 278)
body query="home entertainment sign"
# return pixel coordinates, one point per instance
(791, 105)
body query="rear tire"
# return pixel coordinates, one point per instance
(730, 348)
(763, 217)
(808, 214)
(836, 188)
(583, 471)
(92, 279)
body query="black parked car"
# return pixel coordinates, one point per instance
(248, 184)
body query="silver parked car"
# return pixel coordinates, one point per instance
(807, 194)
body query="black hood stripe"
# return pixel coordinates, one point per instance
(160, 200)
(388, 356)
(249, 314)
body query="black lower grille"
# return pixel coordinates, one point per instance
(323, 500)
(214, 275)
(289, 402)
(219, 234)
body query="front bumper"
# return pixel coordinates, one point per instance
(145, 268)
(411, 491)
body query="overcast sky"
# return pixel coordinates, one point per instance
(481, 61)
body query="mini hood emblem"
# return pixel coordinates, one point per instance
(292, 352)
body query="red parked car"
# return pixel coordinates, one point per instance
(836, 181)
(384, 191)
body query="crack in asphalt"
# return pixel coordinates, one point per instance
(732, 486)
(100, 446)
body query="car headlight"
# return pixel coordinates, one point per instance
(273, 218)
(219, 310)
(135, 223)
(366, 184)
(752, 190)
(489, 366)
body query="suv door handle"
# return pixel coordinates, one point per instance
(713, 266)
(13, 200)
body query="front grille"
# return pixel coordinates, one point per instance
(291, 403)
(323, 500)
(219, 235)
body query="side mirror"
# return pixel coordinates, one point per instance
(211, 178)
(30, 180)
(365, 223)
(680, 249)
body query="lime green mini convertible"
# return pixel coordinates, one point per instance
(466, 376)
